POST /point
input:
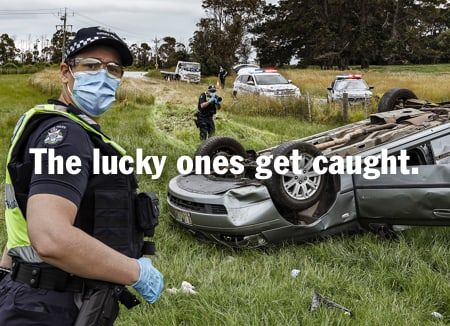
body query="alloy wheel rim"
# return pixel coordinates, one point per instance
(304, 185)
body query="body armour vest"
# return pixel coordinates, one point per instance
(110, 211)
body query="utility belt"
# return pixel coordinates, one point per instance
(43, 276)
(100, 300)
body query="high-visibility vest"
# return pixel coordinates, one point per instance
(104, 197)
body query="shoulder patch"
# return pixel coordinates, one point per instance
(55, 135)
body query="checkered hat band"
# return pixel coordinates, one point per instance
(80, 44)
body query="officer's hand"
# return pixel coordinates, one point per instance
(213, 99)
(151, 281)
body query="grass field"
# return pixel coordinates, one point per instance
(383, 282)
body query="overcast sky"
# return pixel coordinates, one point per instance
(135, 20)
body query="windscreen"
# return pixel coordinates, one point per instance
(351, 84)
(192, 67)
(274, 79)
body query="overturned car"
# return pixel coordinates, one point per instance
(242, 211)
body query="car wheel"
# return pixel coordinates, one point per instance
(292, 192)
(220, 145)
(395, 97)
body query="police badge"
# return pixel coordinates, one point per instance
(55, 135)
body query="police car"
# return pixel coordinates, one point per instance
(356, 88)
(264, 82)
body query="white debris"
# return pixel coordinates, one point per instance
(187, 288)
(172, 290)
(229, 259)
(436, 314)
(295, 273)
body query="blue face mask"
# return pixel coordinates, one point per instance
(94, 93)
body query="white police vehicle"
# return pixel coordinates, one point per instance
(264, 82)
(356, 88)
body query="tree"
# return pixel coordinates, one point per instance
(57, 44)
(144, 55)
(337, 33)
(8, 49)
(222, 33)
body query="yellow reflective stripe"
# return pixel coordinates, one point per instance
(16, 227)
(50, 109)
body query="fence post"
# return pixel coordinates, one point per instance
(345, 107)
(365, 106)
(309, 107)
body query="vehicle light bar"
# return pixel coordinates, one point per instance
(261, 70)
(340, 77)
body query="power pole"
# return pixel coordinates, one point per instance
(63, 17)
(156, 41)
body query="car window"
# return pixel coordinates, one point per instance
(441, 149)
(271, 80)
(250, 78)
(192, 67)
(351, 84)
(243, 78)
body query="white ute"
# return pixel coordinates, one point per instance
(185, 71)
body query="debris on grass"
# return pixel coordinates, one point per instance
(318, 300)
(186, 288)
(229, 259)
(295, 273)
(172, 290)
(437, 315)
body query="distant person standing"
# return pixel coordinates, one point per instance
(222, 75)
(208, 103)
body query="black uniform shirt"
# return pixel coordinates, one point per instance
(223, 73)
(67, 138)
(208, 111)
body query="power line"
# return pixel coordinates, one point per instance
(22, 10)
(107, 25)
(26, 13)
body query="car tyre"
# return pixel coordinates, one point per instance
(220, 144)
(291, 192)
(394, 97)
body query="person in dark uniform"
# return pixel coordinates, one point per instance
(222, 75)
(208, 103)
(72, 235)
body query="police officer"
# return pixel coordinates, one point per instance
(68, 232)
(222, 75)
(208, 103)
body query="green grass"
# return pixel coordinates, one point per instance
(432, 69)
(383, 282)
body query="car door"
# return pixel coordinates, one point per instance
(414, 199)
(251, 84)
(243, 83)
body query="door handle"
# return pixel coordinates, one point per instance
(443, 213)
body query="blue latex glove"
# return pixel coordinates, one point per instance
(213, 99)
(151, 281)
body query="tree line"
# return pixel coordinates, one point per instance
(328, 33)
(166, 54)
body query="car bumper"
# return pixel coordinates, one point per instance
(246, 216)
(239, 211)
(274, 95)
(353, 99)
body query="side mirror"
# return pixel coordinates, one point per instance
(329, 88)
(371, 87)
(251, 82)
(289, 81)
